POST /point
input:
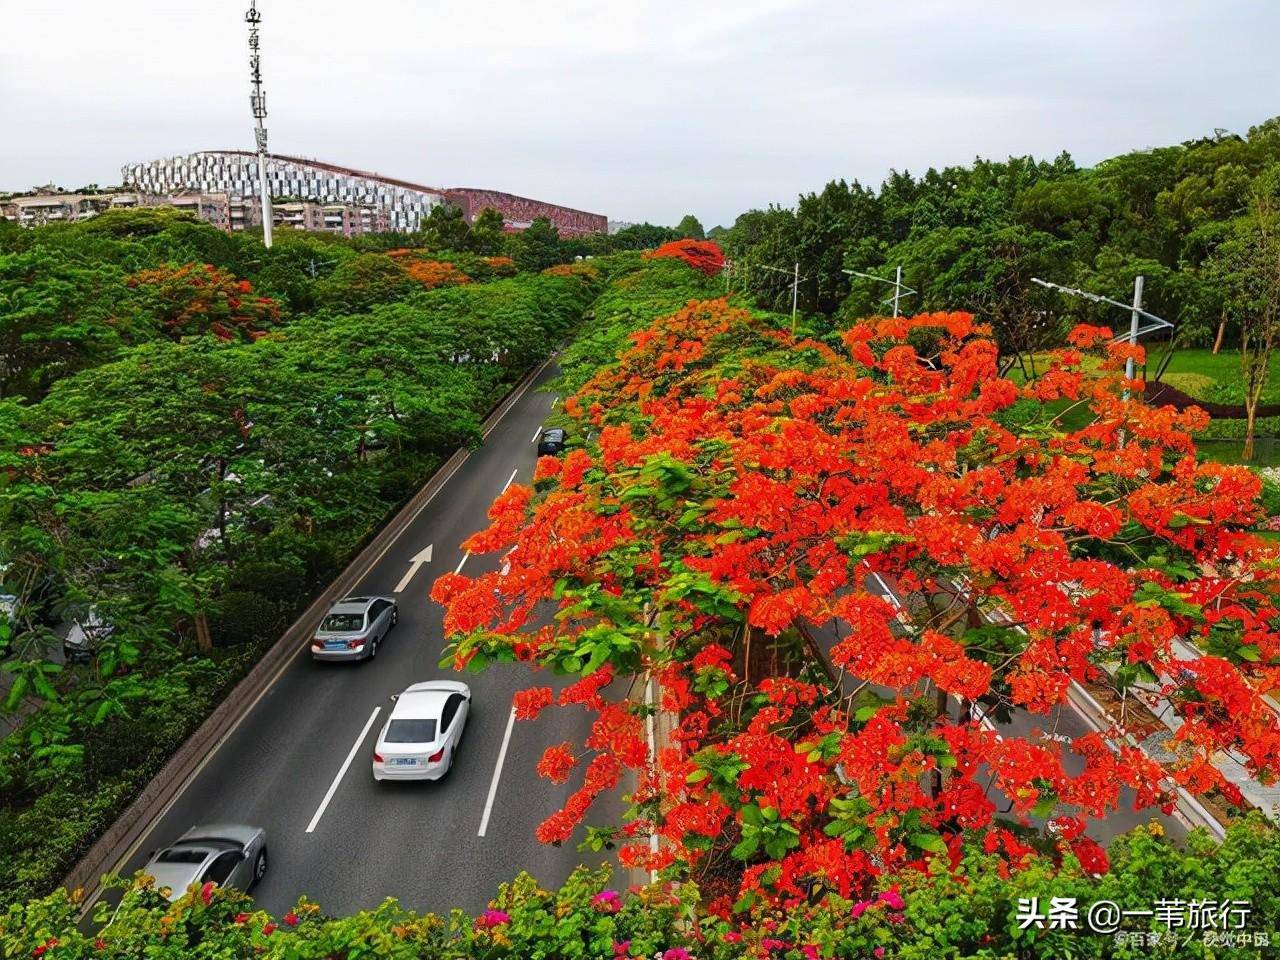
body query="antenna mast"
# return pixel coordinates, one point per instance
(258, 101)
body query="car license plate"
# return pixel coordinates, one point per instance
(403, 762)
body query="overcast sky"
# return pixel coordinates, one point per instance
(639, 109)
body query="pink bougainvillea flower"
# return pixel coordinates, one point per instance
(893, 899)
(493, 918)
(607, 901)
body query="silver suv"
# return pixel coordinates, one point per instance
(353, 628)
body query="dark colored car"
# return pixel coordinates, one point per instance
(551, 443)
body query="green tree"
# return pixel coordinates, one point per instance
(1247, 266)
(642, 236)
(488, 237)
(537, 246)
(58, 314)
(444, 228)
(690, 227)
(360, 283)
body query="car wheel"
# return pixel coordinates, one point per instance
(260, 865)
(449, 769)
(395, 616)
(373, 648)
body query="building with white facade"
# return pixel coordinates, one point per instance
(235, 172)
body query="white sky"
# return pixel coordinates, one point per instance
(639, 109)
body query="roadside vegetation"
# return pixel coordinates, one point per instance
(709, 505)
(197, 435)
(1198, 220)
(967, 912)
(739, 489)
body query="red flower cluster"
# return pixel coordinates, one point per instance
(200, 298)
(704, 256)
(754, 507)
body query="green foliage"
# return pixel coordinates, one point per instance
(970, 238)
(689, 226)
(537, 246)
(157, 483)
(639, 292)
(968, 912)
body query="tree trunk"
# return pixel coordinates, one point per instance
(204, 640)
(1250, 415)
(1222, 332)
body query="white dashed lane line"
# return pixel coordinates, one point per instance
(342, 772)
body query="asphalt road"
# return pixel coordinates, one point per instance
(421, 842)
(417, 842)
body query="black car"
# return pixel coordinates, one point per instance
(551, 442)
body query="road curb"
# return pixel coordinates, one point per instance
(658, 728)
(121, 839)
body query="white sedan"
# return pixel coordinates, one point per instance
(422, 732)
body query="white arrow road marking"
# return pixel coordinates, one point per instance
(333, 787)
(497, 773)
(423, 556)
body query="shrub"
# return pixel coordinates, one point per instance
(246, 617)
(705, 256)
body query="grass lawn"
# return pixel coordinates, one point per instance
(1215, 379)
(1197, 372)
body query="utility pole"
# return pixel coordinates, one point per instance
(899, 291)
(795, 289)
(258, 101)
(1136, 316)
(795, 296)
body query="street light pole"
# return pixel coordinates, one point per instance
(795, 297)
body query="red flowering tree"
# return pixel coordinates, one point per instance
(198, 298)
(436, 273)
(501, 266)
(703, 255)
(753, 506)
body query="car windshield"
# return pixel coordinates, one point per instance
(410, 731)
(182, 855)
(338, 622)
